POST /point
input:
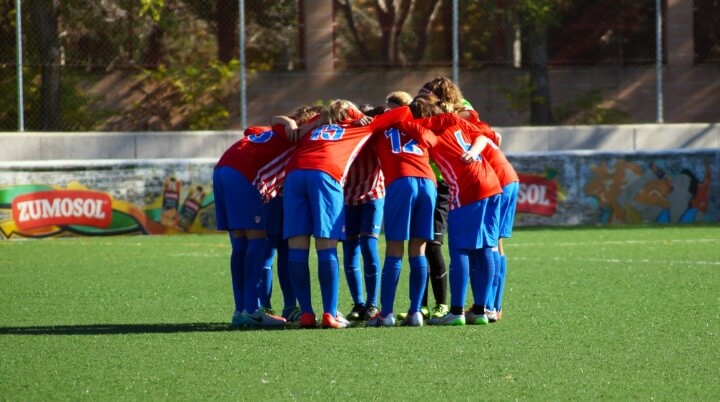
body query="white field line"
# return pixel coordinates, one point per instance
(509, 243)
(622, 261)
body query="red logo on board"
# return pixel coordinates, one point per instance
(63, 208)
(537, 195)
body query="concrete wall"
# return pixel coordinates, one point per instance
(33, 146)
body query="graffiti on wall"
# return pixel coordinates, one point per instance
(632, 192)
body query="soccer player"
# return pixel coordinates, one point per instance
(233, 178)
(269, 181)
(409, 203)
(510, 183)
(455, 146)
(313, 196)
(448, 92)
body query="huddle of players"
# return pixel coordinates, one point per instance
(338, 174)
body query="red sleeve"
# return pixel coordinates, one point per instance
(256, 130)
(470, 115)
(441, 122)
(354, 114)
(280, 129)
(473, 117)
(389, 118)
(487, 131)
(416, 130)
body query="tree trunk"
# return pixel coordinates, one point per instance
(540, 108)
(45, 14)
(346, 9)
(423, 16)
(388, 30)
(226, 18)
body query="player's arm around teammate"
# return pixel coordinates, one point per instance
(409, 203)
(233, 187)
(472, 222)
(313, 197)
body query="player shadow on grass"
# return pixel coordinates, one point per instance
(119, 329)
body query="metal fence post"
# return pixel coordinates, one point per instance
(243, 84)
(658, 59)
(18, 35)
(455, 44)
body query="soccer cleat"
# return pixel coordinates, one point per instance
(291, 314)
(268, 310)
(413, 320)
(491, 315)
(378, 321)
(476, 319)
(338, 322)
(340, 317)
(423, 310)
(449, 319)
(307, 320)
(371, 310)
(236, 319)
(357, 313)
(264, 318)
(439, 311)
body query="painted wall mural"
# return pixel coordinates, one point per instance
(174, 197)
(619, 188)
(629, 192)
(106, 201)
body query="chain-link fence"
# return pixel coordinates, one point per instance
(125, 65)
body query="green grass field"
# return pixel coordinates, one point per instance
(589, 314)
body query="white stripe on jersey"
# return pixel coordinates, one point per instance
(271, 177)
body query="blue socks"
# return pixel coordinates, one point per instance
(353, 274)
(328, 274)
(459, 276)
(418, 282)
(492, 300)
(237, 269)
(371, 267)
(283, 273)
(254, 259)
(265, 280)
(299, 269)
(481, 275)
(388, 284)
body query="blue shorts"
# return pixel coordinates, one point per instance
(274, 217)
(508, 204)
(409, 206)
(364, 218)
(238, 204)
(475, 225)
(313, 204)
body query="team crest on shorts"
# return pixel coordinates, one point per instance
(258, 219)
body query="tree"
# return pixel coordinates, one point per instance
(226, 19)
(535, 18)
(45, 18)
(392, 19)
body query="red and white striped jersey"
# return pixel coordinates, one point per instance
(271, 177)
(365, 180)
